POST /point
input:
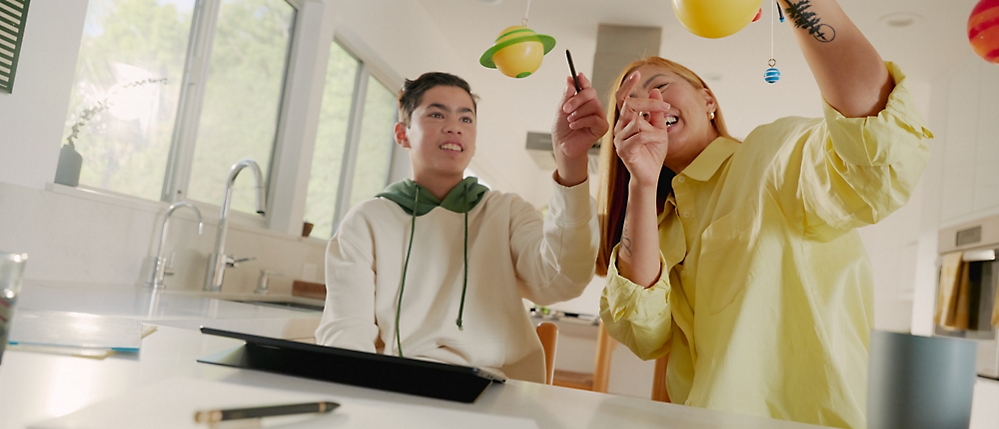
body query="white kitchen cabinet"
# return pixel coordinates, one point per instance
(971, 145)
(959, 148)
(986, 195)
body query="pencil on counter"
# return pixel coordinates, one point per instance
(215, 416)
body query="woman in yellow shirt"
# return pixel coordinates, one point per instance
(740, 259)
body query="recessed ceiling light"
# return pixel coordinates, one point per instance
(491, 2)
(900, 19)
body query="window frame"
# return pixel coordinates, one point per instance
(307, 23)
(197, 65)
(348, 169)
(362, 76)
(290, 167)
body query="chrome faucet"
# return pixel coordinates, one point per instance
(262, 280)
(160, 263)
(218, 260)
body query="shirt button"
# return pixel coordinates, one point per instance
(681, 179)
(686, 215)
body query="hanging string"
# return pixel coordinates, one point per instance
(772, 75)
(526, 12)
(772, 35)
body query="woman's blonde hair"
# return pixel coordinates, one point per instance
(615, 176)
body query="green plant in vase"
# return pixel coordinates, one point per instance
(70, 161)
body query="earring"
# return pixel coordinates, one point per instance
(711, 116)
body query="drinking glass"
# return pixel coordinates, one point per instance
(11, 270)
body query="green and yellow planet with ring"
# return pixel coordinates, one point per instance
(517, 52)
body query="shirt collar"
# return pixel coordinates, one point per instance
(710, 159)
(668, 207)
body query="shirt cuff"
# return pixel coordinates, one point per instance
(627, 299)
(571, 204)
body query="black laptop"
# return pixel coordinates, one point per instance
(377, 371)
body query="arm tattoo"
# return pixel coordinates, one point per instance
(625, 241)
(809, 21)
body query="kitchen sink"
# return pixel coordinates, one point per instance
(292, 304)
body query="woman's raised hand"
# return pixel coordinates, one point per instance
(640, 137)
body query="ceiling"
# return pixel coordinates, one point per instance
(733, 66)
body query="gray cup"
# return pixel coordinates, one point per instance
(920, 382)
(11, 270)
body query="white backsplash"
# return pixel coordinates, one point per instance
(73, 237)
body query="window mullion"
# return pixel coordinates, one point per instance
(353, 142)
(398, 160)
(192, 93)
(292, 158)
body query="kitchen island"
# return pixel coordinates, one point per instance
(36, 388)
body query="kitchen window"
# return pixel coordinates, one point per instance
(177, 91)
(354, 142)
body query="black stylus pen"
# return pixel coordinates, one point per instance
(572, 69)
(215, 416)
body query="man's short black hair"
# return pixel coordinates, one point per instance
(412, 91)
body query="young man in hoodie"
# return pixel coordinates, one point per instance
(436, 267)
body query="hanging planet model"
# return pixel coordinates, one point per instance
(772, 75)
(983, 30)
(714, 19)
(517, 52)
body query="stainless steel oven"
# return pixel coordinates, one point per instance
(966, 288)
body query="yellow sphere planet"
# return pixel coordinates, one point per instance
(519, 59)
(517, 52)
(715, 19)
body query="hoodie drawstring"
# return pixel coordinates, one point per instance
(464, 285)
(405, 267)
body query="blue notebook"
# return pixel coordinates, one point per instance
(75, 330)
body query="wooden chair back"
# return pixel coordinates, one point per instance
(659, 380)
(548, 334)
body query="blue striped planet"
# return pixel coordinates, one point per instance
(772, 75)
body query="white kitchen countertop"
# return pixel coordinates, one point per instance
(38, 387)
(178, 308)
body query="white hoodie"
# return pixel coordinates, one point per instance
(512, 254)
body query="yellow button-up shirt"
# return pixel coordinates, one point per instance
(766, 298)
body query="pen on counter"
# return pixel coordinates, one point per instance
(572, 69)
(215, 416)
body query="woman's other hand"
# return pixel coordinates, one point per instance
(640, 137)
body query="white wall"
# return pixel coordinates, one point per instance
(33, 115)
